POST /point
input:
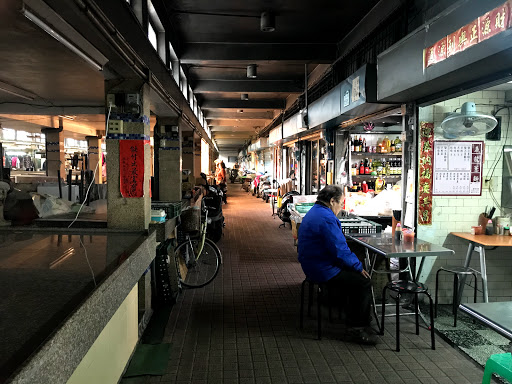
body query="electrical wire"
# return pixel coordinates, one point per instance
(85, 199)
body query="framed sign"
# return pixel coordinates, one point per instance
(457, 168)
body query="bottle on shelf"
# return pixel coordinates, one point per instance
(366, 166)
(398, 144)
(361, 168)
(360, 143)
(363, 149)
(352, 144)
(386, 145)
(392, 146)
(387, 168)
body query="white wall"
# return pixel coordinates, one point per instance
(459, 213)
(108, 356)
(224, 156)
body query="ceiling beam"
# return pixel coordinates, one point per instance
(244, 104)
(254, 53)
(240, 86)
(237, 115)
(230, 129)
(239, 123)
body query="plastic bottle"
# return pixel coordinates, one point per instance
(489, 228)
(398, 232)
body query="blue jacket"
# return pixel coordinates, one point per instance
(323, 249)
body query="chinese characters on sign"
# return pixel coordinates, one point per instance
(131, 160)
(425, 177)
(458, 168)
(486, 26)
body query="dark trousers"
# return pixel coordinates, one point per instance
(354, 290)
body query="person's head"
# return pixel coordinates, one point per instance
(331, 195)
(222, 165)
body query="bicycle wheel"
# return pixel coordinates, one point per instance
(198, 273)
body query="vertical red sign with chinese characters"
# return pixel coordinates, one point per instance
(425, 179)
(131, 162)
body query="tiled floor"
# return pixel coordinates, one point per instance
(243, 328)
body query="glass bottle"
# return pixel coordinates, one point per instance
(352, 144)
(387, 169)
(398, 144)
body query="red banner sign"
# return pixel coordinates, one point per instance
(425, 179)
(131, 161)
(486, 26)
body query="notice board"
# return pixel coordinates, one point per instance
(457, 168)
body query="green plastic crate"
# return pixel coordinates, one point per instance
(303, 207)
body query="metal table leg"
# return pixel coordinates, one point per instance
(471, 248)
(483, 271)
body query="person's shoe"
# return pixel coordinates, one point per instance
(362, 336)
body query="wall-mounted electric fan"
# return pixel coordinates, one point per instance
(468, 122)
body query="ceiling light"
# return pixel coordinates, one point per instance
(48, 29)
(244, 96)
(68, 117)
(251, 71)
(509, 82)
(267, 22)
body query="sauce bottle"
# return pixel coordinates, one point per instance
(398, 232)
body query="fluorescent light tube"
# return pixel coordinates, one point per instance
(45, 27)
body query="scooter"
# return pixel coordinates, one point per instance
(283, 211)
(213, 203)
(233, 174)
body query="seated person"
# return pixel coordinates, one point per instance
(325, 257)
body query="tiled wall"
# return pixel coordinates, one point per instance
(458, 214)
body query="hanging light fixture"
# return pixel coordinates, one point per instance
(267, 22)
(251, 71)
(244, 96)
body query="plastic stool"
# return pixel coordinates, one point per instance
(321, 287)
(401, 287)
(457, 271)
(500, 364)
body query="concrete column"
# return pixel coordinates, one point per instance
(197, 155)
(169, 159)
(187, 151)
(94, 155)
(126, 123)
(55, 155)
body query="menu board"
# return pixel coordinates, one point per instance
(457, 168)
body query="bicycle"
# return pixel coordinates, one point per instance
(197, 258)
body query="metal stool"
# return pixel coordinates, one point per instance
(456, 272)
(401, 287)
(321, 287)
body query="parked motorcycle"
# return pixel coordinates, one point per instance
(213, 203)
(233, 174)
(284, 210)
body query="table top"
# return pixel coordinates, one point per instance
(386, 245)
(487, 240)
(497, 315)
(46, 276)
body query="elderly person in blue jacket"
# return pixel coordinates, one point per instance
(325, 257)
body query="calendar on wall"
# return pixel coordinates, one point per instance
(457, 168)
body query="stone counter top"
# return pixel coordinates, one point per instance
(59, 290)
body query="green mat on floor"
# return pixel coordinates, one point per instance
(149, 360)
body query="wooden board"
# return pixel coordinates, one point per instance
(491, 241)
